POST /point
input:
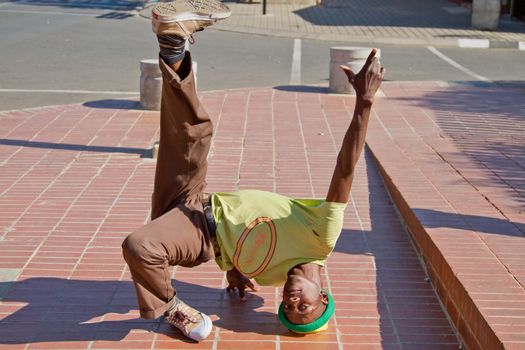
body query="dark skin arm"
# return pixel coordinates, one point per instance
(366, 83)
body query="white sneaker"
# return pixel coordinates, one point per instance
(192, 323)
(185, 17)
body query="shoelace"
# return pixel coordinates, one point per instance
(180, 317)
(191, 39)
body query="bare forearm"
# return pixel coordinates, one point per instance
(354, 139)
(351, 149)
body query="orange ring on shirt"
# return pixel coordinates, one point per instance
(271, 250)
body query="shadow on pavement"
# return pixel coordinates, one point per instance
(396, 13)
(84, 4)
(436, 219)
(56, 309)
(142, 152)
(505, 98)
(114, 104)
(302, 88)
(485, 122)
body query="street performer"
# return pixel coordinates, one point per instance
(276, 240)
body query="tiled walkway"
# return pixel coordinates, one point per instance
(455, 154)
(75, 182)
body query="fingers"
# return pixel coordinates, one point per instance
(242, 293)
(251, 286)
(376, 68)
(241, 287)
(371, 55)
(371, 58)
(349, 74)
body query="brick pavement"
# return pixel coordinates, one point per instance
(429, 22)
(453, 156)
(75, 182)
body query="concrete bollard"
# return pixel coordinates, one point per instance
(485, 14)
(351, 56)
(150, 84)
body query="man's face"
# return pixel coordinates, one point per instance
(303, 300)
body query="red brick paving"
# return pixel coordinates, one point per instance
(454, 157)
(74, 185)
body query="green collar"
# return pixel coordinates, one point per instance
(313, 326)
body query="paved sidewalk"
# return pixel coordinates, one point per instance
(453, 156)
(429, 22)
(74, 184)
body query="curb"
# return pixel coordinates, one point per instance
(490, 44)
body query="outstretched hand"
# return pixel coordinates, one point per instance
(239, 281)
(367, 81)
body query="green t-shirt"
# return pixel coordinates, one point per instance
(264, 234)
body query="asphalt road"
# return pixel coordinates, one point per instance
(56, 52)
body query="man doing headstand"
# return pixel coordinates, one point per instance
(251, 234)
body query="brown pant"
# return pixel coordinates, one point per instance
(177, 234)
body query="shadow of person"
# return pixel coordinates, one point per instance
(56, 309)
(142, 152)
(302, 88)
(92, 4)
(114, 104)
(467, 222)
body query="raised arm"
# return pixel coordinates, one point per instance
(366, 83)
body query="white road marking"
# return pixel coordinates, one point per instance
(295, 77)
(102, 92)
(474, 43)
(457, 65)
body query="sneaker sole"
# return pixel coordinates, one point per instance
(203, 10)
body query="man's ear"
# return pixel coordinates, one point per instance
(324, 297)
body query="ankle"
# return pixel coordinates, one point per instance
(172, 50)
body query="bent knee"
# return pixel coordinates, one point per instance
(140, 247)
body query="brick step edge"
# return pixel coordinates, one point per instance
(470, 324)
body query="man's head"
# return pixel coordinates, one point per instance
(305, 307)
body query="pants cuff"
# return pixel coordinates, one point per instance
(153, 314)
